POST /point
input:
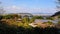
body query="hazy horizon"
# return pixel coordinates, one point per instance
(29, 6)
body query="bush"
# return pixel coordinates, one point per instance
(1, 17)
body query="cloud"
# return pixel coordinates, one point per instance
(18, 9)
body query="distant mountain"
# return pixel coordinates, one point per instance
(56, 14)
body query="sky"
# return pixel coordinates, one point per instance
(29, 6)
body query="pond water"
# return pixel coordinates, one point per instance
(41, 20)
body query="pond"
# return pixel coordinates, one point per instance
(42, 20)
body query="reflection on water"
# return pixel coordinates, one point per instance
(41, 20)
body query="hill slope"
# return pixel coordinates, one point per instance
(56, 14)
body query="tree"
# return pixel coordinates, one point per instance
(39, 17)
(58, 22)
(1, 17)
(19, 16)
(32, 19)
(50, 18)
(26, 19)
(58, 16)
(58, 5)
(49, 22)
(15, 15)
(8, 16)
